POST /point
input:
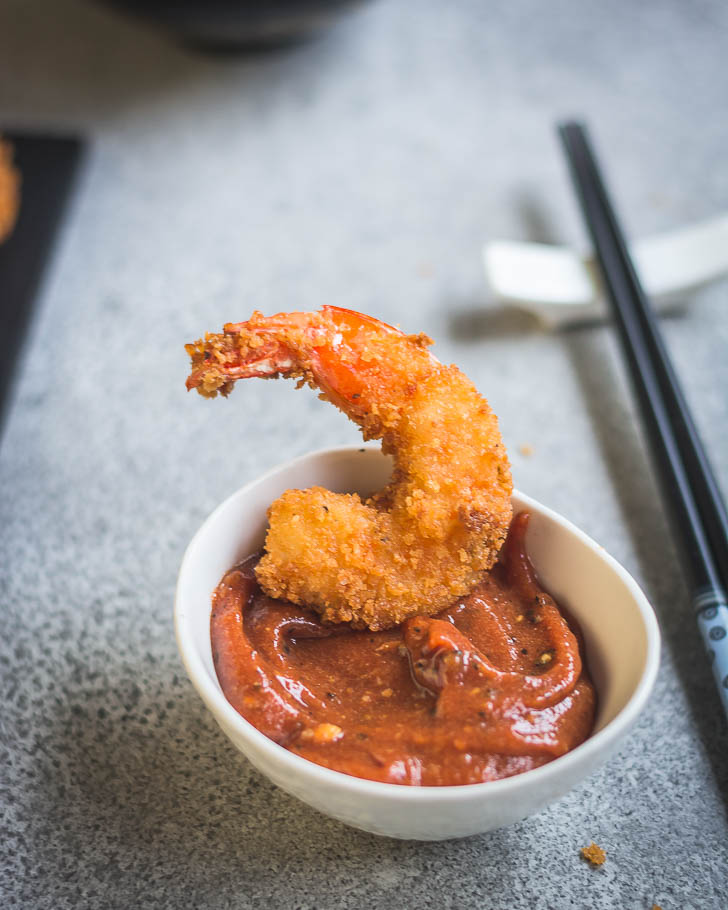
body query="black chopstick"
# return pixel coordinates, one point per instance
(703, 483)
(688, 484)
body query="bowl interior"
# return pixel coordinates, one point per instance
(618, 625)
(601, 596)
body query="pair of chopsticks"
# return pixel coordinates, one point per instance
(687, 481)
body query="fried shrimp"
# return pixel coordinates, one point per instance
(429, 535)
(9, 190)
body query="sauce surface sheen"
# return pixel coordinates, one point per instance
(490, 687)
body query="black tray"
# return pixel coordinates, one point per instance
(48, 166)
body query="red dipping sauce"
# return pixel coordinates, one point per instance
(491, 687)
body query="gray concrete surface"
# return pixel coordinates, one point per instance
(365, 168)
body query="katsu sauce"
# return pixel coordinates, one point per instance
(490, 687)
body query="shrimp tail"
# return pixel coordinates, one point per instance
(360, 364)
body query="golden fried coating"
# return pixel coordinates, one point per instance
(424, 540)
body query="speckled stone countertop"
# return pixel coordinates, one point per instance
(365, 168)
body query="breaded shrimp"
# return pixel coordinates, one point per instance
(9, 190)
(424, 540)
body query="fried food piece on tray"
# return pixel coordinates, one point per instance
(9, 190)
(425, 539)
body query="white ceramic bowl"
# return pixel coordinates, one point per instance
(619, 626)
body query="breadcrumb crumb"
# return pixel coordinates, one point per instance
(593, 854)
(526, 450)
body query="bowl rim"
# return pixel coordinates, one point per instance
(214, 698)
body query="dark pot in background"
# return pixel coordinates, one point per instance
(237, 24)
